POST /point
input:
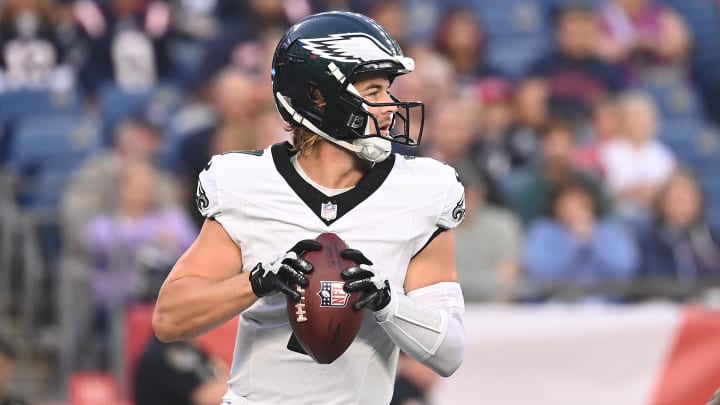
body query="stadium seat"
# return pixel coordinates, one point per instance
(511, 17)
(518, 32)
(711, 186)
(116, 104)
(16, 104)
(703, 20)
(424, 16)
(43, 153)
(676, 98)
(514, 54)
(682, 136)
(707, 165)
(589, 3)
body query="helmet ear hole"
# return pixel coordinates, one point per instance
(316, 97)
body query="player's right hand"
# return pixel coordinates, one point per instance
(283, 273)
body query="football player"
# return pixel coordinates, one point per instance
(331, 75)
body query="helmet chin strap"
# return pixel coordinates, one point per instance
(372, 149)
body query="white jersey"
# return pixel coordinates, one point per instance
(266, 207)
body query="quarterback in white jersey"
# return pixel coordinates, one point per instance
(331, 75)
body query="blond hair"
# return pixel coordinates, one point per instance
(304, 140)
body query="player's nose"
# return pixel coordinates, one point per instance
(389, 109)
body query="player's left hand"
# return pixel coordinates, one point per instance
(361, 278)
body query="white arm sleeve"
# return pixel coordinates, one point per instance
(427, 324)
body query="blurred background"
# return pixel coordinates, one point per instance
(586, 133)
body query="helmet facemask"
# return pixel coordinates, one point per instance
(375, 145)
(399, 129)
(358, 127)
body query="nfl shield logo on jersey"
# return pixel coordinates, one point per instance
(332, 294)
(328, 211)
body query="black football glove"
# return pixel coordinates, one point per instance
(361, 278)
(283, 273)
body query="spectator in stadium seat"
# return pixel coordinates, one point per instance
(605, 126)
(242, 40)
(680, 244)
(462, 39)
(204, 20)
(126, 43)
(531, 106)
(93, 190)
(274, 16)
(500, 146)
(575, 245)
(235, 101)
(179, 373)
(529, 188)
(637, 163)
(450, 131)
(8, 357)
(487, 244)
(434, 78)
(392, 15)
(198, 27)
(644, 36)
(133, 246)
(235, 48)
(94, 187)
(577, 78)
(32, 54)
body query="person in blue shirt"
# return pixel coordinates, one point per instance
(575, 246)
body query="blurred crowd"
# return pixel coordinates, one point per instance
(584, 132)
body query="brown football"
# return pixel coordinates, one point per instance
(323, 320)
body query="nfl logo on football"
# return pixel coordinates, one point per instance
(332, 294)
(328, 211)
